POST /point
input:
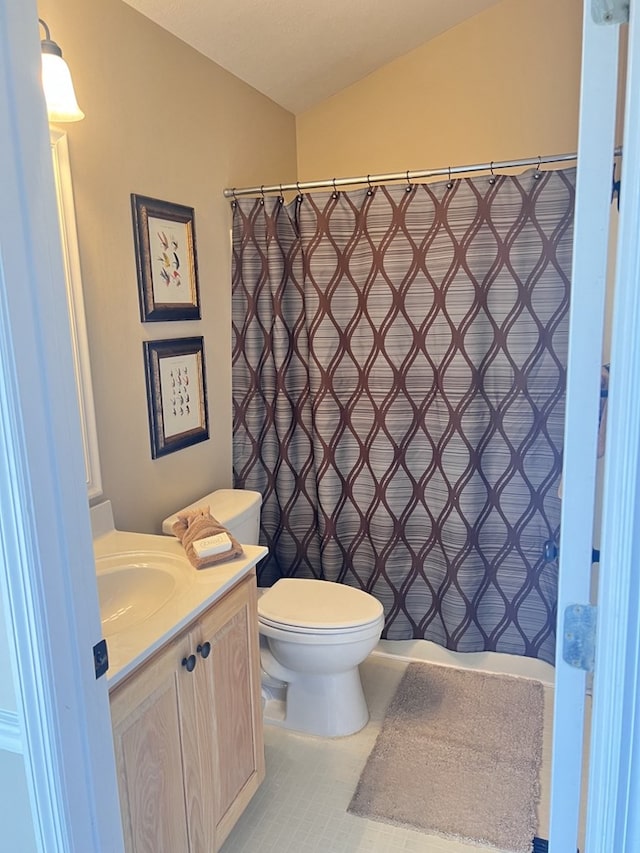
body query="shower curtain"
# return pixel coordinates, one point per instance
(399, 360)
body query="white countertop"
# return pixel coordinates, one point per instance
(196, 590)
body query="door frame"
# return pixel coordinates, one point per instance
(49, 594)
(596, 143)
(613, 818)
(47, 583)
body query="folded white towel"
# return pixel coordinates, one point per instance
(212, 545)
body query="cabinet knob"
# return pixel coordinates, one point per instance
(189, 663)
(204, 649)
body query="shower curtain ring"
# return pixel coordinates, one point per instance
(537, 174)
(449, 182)
(262, 193)
(370, 190)
(492, 179)
(281, 198)
(334, 194)
(409, 184)
(299, 197)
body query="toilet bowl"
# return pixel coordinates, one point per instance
(314, 634)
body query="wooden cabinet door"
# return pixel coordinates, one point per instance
(229, 707)
(149, 717)
(188, 745)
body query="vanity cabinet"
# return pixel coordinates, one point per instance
(187, 729)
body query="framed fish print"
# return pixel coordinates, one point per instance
(176, 394)
(166, 260)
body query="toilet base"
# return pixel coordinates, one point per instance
(321, 705)
(274, 699)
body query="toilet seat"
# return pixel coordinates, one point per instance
(324, 632)
(308, 606)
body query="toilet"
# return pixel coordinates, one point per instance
(314, 634)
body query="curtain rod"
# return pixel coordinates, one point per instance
(332, 183)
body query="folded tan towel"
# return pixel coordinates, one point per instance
(198, 524)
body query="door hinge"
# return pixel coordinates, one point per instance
(579, 636)
(101, 658)
(610, 11)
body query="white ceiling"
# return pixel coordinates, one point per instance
(298, 52)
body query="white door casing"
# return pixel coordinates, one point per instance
(48, 580)
(596, 142)
(613, 817)
(47, 585)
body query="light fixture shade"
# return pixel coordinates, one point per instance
(58, 89)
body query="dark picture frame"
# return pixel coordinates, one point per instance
(166, 259)
(176, 394)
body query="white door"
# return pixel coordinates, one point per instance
(610, 777)
(613, 816)
(47, 577)
(47, 583)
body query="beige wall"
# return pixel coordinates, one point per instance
(163, 121)
(502, 85)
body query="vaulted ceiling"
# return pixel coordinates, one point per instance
(299, 53)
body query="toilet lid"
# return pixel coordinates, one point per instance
(317, 605)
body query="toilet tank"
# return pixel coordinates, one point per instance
(237, 509)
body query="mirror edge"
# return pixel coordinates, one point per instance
(75, 301)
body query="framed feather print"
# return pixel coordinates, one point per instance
(166, 260)
(176, 394)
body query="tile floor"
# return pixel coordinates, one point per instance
(302, 805)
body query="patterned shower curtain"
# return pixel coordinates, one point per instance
(399, 372)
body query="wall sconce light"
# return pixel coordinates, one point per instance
(56, 82)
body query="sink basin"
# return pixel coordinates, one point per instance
(134, 586)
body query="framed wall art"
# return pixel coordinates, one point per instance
(176, 394)
(166, 260)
